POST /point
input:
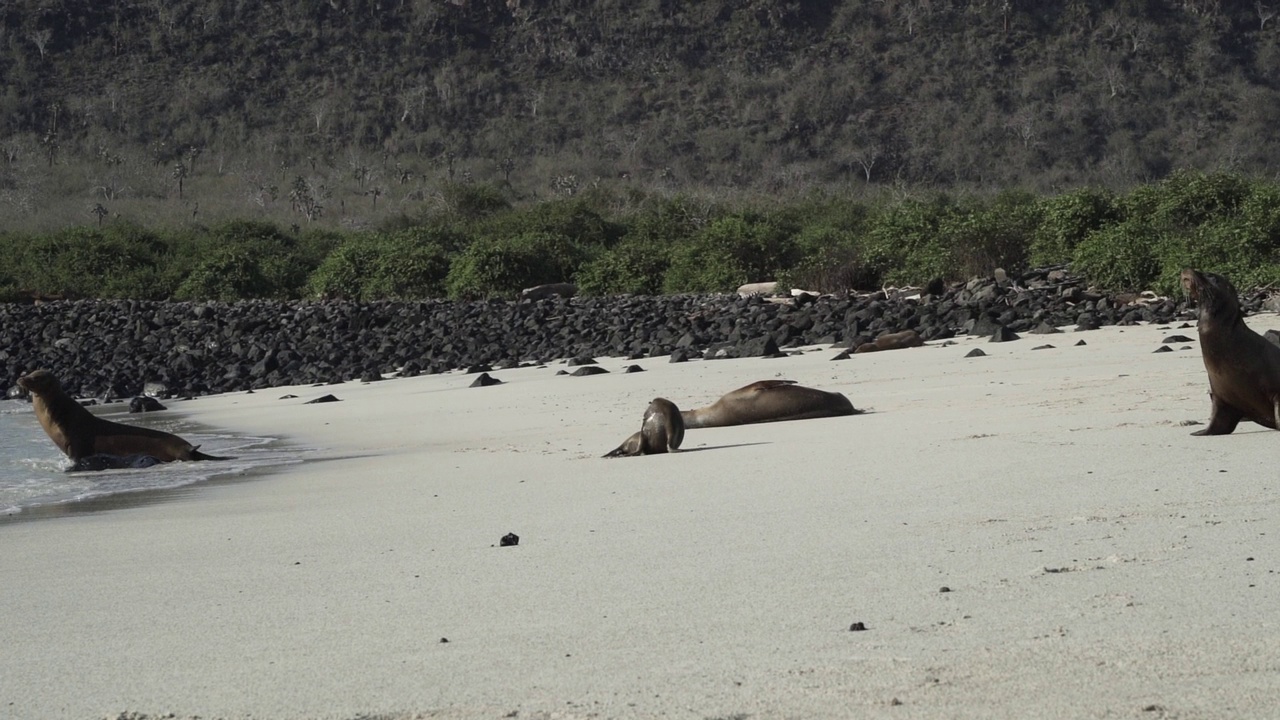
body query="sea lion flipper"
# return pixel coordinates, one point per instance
(629, 447)
(1222, 419)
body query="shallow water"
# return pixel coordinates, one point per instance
(33, 471)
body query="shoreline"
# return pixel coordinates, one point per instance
(1097, 559)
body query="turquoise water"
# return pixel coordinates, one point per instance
(33, 471)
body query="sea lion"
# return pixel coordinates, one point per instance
(769, 401)
(662, 431)
(1243, 367)
(80, 434)
(892, 341)
(542, 292)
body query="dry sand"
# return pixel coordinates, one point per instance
(1100, 562)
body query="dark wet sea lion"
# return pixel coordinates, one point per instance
(661, 432)
(769, 401)
(80, 434)
(1243, 367)
(892, 341)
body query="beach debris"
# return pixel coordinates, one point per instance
(1081, 342)
(976, 352)
(289, 396)
(588, 370)
(858, 627)
(944, 589)
(1043, 347)
(1184, 338)
(482, 367)
(444, 640)
(322, 399)
(542, 292)
(485, 380)
(142, 403)
(844, 355)
(509, 540)
(1162, 348)
(633, 369)
(581, 360)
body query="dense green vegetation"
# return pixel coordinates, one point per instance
(482, 247)
(345, 113)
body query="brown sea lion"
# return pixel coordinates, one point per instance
(1243, 367)
(662, 431)
(81, 434)
(892, 341)
(769, 401)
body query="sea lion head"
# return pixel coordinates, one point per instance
(40, 382)
(1214, 294)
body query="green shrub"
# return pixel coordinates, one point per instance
(904, 244)
(635, 265)
(990, 235)
(470, 202)
(501, 267)
(123, 261)
(832, 261)
(410, 263)
(1066, 220)
(1120, 257)
(730, 251)
(242, 260)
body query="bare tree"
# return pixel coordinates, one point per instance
(99, 211)
(180, 173)
(41, 39)
(1265, 14)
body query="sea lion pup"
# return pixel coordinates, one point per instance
(1243, 367)
(769, 401)
(80, 434)
(661, 432)
(891, 341)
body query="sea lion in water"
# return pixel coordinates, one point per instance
(661, 432)
(80, 434)
(1243, 367)
(892, 341)
(769, 401)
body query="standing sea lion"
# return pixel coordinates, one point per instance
(662, 431)
(769, 401)
(1243, 367)
(81, 434)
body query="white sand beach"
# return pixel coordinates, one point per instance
(1099, 561)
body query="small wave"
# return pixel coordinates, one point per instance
(33, 474)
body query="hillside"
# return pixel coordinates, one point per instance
(345, 111)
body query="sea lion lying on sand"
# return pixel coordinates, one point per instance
(1243, 366)
(80, 434)
(760, 402)
(769, 401)
(892, 341)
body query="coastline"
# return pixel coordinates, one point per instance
(1098, 561)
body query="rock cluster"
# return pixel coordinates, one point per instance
(116, 348)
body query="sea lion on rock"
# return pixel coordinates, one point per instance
(892, 341)
(1243, 367)
(769, 401)
(661, 432)
(80, 434)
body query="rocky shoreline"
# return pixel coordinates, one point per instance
(115, 348)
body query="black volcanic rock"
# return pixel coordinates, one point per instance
(112, 348)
